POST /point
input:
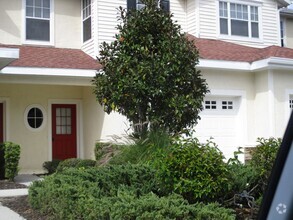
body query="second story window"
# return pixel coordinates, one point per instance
(239, 19)
(86, 20)
(282, 29)
(37, 20)
(138, 4)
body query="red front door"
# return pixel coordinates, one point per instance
(1, 124)
(64, 131)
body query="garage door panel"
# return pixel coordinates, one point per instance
(219, 121)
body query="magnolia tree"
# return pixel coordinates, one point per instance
(149, 72)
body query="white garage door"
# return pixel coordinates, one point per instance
(220, 120)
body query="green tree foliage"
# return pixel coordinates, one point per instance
(149, 72)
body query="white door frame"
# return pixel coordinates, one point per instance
(6, 117)
(79, 125)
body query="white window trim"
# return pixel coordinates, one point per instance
(44, 117)
(36, 42)
(82, 20)
(284, 32)
(241, 38)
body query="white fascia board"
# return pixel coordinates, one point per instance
(30, 71)
(259, 65)
(273, 63)
(269, 63)
(12, 53)
(224, 65)
(281, 62)
(7, 55)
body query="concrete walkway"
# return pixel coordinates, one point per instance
(8, 214)
(25, 179)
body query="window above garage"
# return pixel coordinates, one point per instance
(219, 104)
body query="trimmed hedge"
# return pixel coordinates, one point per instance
(11, 159)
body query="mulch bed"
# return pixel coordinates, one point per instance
(20, 204)
(5, 184)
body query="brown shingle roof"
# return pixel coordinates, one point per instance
(221, 50)
(49, 57)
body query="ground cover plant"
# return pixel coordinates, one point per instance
(75, 162)
(115, 192)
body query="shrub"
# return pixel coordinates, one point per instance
(242, 177)
(59, 193)
(127, 205)
(75, 162)
(2, 162)
(12, 156)
(194, 170)
(253, 177)
(102, 149)
(51, 166)
(144, 149)
(114, 192)
(263, 158)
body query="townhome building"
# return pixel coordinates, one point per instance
(48, 51)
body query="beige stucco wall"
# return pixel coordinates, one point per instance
(289, 32)
(35, 145)
(66, 28)
(93, 120)
(10, 21)
(68, 23)
(283, 88)
(273, 88)
(261, 112)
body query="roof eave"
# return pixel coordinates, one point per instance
(259, 65)
(283, 3)
(7, 55)
(52, 76)
(286, 12)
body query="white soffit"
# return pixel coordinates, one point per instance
(7, 55)
(52, 76)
